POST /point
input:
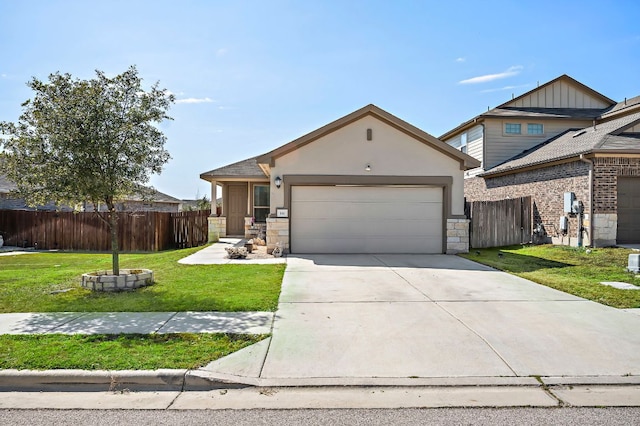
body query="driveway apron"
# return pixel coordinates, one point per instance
(438, 316)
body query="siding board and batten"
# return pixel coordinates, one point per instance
(560, 94)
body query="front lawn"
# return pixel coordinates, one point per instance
(118, 352)
(573, 270)
(50, 282)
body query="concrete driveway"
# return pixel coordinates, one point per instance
(413, 316)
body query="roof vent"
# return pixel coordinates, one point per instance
(581, 132)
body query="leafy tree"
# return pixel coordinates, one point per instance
(87, 141)
(202, 203)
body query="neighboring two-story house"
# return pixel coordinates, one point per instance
(560, 137)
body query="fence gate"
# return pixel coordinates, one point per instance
(499, 223)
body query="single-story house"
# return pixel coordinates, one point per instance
(368, 182)
(152, 201)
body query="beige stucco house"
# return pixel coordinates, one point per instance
(368, 182)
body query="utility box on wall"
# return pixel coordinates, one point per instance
(564, 224)
(569, 199)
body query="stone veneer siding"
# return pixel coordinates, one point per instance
(253, 230)
(277, 232)
(457, 236)
(217, 228)
(546, 186)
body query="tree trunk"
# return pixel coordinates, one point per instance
(113, 227)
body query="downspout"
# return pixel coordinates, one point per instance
(592, 240)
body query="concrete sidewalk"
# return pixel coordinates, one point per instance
(215, 254)
(136, 322)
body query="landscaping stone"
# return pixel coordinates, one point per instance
(129, 279)
(237, 252)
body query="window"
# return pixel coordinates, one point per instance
(463, 143)
(260, 203)
(535, 129)
(512, 128)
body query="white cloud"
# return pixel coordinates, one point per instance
(461, 59)
(515, 70)
(504, 88)
(194, 101)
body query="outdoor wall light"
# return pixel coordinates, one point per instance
(367, 168)
(278, 181)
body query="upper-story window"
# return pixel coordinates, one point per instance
(463, 142)
(535, 129)
(513, 128)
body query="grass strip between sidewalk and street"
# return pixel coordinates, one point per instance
(50, 282)
(118, 352)
(573, 270)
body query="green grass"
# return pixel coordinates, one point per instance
(50, 282)
(118, 352)
(569, 269)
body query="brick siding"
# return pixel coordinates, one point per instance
(605, 186)
(546, 187)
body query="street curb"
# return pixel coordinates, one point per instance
(91, 381)
(202, 380)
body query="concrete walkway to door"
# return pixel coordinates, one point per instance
(402, 319)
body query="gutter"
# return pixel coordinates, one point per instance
(592, 240)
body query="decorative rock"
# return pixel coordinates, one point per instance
(237, 252)
(277, 251)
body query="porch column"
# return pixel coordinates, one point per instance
(249, 193)
(214, 196)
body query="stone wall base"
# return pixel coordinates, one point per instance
(605, 229)
(277, 232)
(217, 228)
(457, 236)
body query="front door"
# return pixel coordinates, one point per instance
(237, 209)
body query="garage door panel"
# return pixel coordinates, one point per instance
(366, 220)
(628, 203)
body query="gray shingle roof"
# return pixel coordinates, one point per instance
(621, 106)
(576, 113)
(607, 136)
(6, 185)
(242, 169)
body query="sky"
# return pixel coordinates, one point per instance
(250, 76)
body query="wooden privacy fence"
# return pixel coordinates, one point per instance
(499, 223)
(138, 231)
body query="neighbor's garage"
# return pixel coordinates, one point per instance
(366, 219)
(628, 210)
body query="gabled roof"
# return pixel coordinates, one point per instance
(147, 194)
(606, 137)
(466, 161)
(565, 78)
(508, 110)
(622, 108)
(246, 169)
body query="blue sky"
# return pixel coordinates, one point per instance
(250, 76)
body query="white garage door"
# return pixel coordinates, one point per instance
(366, 219)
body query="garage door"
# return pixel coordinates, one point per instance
(366, 219)
(628, 210)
